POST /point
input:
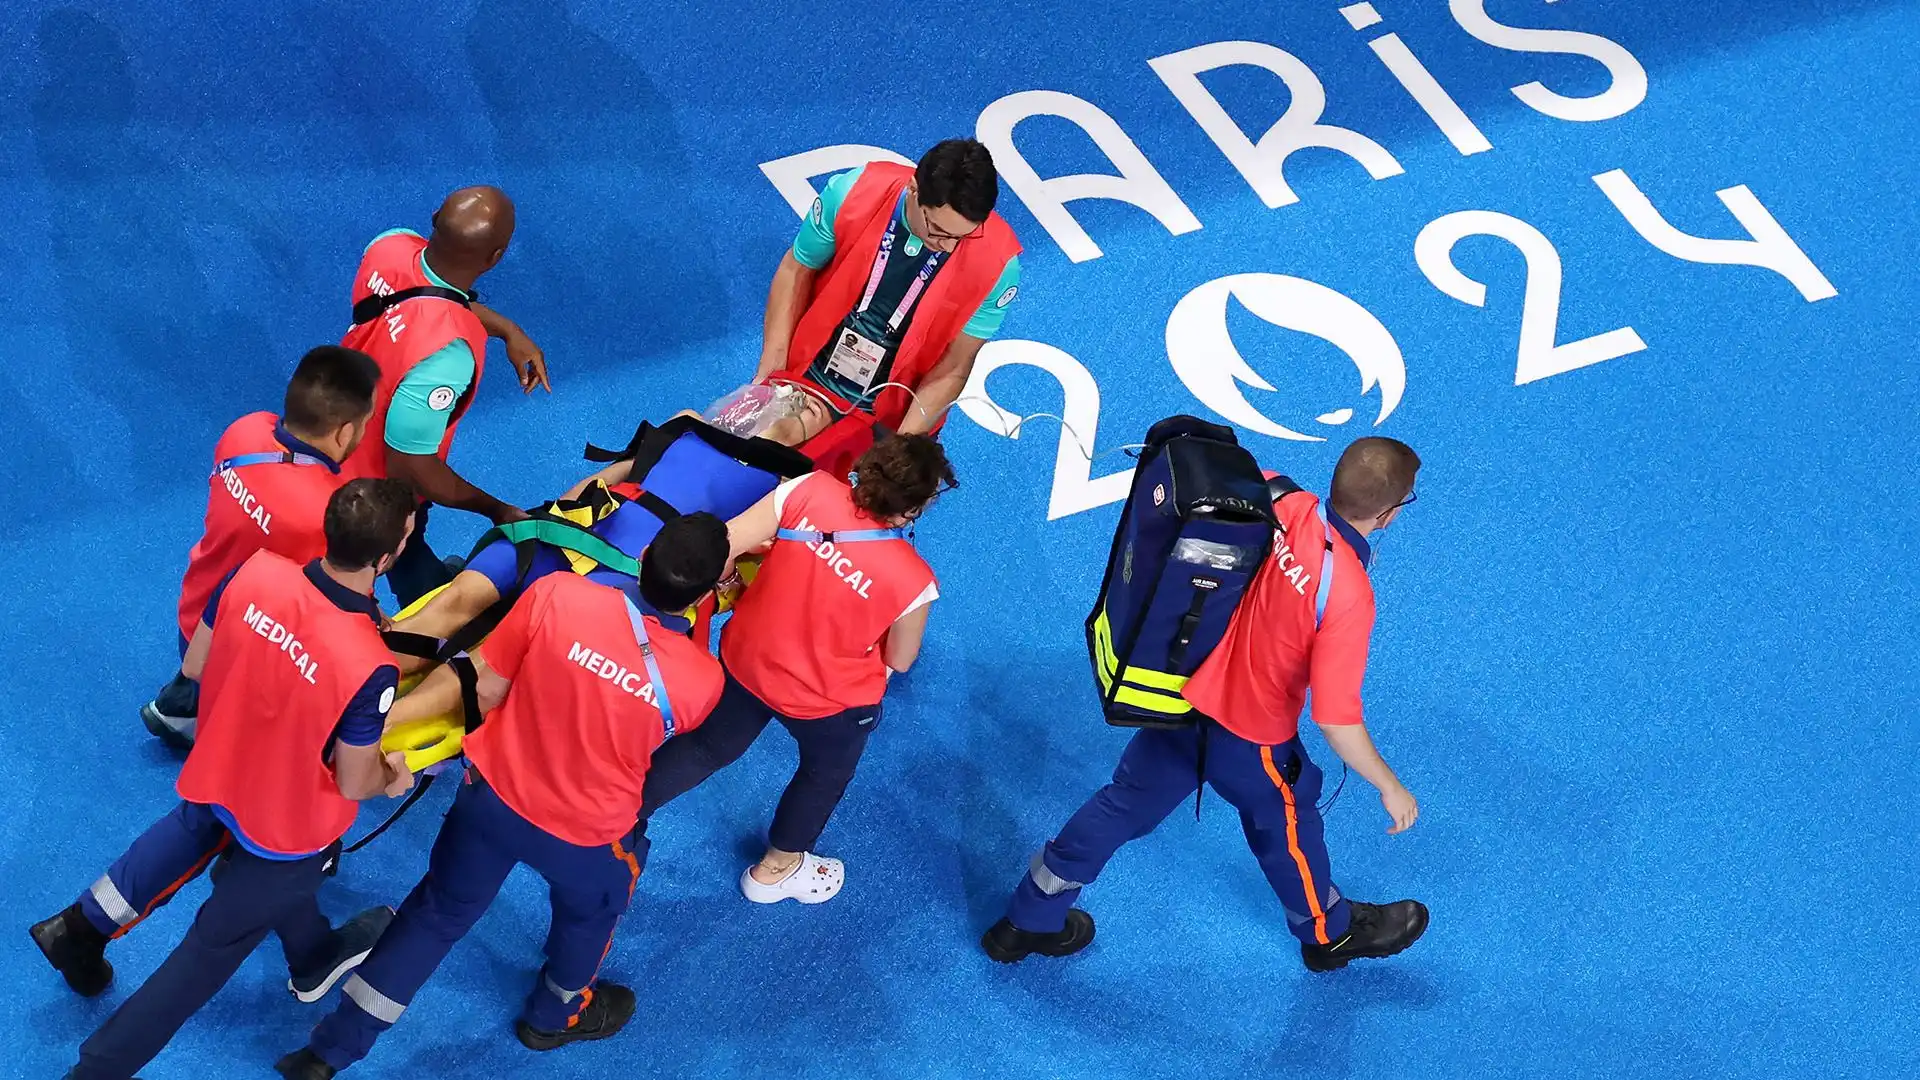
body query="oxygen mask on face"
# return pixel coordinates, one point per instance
(749, 411)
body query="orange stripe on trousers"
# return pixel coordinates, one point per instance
(178, 883)
(633, 867)
(1293, 847)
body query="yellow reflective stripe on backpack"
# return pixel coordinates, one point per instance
(1170, 704)
(1141, 688)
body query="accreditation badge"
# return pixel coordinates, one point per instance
(856, 359)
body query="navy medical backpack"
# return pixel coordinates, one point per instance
(1196, 527)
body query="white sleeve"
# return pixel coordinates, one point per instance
(780, 494)
(927, 596)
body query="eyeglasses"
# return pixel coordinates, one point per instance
(934, 232)
(1412, 497)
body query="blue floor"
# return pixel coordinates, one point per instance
(1647, 646)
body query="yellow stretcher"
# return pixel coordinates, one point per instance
(434, 739)
(437, 738)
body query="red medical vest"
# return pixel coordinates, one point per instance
(1256, 680)
(274, 506)
(805, 636)
(955, 293)
(285, 662)
(402, 337)
(569, 747)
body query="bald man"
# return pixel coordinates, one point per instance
(416, 313)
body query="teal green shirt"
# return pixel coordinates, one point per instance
(813, 247)
(423, 402)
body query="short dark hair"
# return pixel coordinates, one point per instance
(332, 386)
(366, 521)
(1374, 475)
(958, 173)
(900, 475)
(684, 561)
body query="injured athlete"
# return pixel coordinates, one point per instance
(721, 463)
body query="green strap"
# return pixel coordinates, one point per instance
(566, 536)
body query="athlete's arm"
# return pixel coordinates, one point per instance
(439, 693)
(616, 473)
(787, 298)
(526, 357)
(941, 387)
(462, 601)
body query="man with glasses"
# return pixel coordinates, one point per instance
(1249, 692)
(898, 276)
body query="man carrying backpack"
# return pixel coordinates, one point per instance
(1290, 633)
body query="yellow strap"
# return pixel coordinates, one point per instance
(582, 516)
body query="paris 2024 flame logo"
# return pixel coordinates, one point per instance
(1204, 356)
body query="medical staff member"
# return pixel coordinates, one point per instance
(839, 605)
(297, 685)
(268, 491)
(1250, 690)
(416, 313)
(897, 275)
(580, 685)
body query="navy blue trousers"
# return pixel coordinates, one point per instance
(251, 898)
(478, 846)
(1275, 788)
(830, 750)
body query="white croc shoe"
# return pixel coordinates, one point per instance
(814, 881)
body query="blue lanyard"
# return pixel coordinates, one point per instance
(653, 666)
(845, 536)
(284, 457)
(880, 268)
(1326, 568)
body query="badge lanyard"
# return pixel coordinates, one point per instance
(282, 457)
(1326, 569)
(653, 668)
(880, 268)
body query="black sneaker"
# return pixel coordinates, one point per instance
(1375, 930)
(76, 950)
(351, 943)
(175, 731)
(1009, 944)
(303, 1064)
(608, 1010)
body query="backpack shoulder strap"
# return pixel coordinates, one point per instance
(1279, 487)
(375, 306)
